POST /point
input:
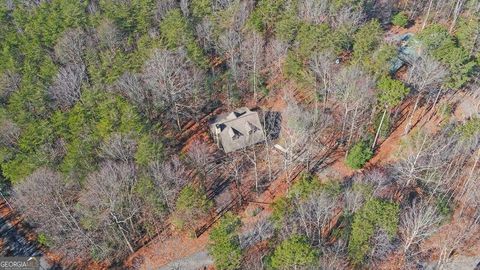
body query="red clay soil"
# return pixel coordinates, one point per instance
(468, 247)
(167, 249)
(393, 262)
(415, 28)
(161, 251)
(386, 150)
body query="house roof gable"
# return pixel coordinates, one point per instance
(241, 128)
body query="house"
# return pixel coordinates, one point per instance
(237, 130)
(409, 49)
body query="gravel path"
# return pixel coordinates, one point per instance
(199, 260)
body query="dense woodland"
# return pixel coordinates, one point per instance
(96, 97)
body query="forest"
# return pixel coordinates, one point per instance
(370, 113)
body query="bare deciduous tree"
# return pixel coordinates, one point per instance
(353, 200)
(222, 4)
(162, 8)
(49, 204)
(236, 166)
(348, 18)
(313, 11)
(184, 8)
(229, 44)
(456, 12)
(301, 132)
(252, 55)
(70, 47)
(276, 51)
(110, 207)
(201, 159)
(66, 87)
(9, 83)
(169, 177)
(426, 75)
(457, 237)
(261, 230)
(353, 88)
(379, 180)
(382, 246)
(251, 155)
(130, 86)
(315, 213)
(417, 223)
(418, 158)
(9, 133)
(108, 35)
(310, 216)
(204, 31)
(334, 256)
(119, 147)
(174, 83)
(322, 64)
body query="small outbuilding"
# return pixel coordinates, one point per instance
(237, 130)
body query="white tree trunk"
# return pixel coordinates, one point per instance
(434, 105)
(412, 114)
(351, 130)
(378, 129)
(177, 117)
(427, 15)
(412, 168)
(255, 81)
(456, 11)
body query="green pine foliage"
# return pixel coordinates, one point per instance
(467, 32)
(392, 91)
(294, 69)
(306, 185)
(445, 48)
(386, 125)
(366, 40)
(177, 32)
(293, 253)
(287, 26)
(400, 19)
(224, 243)
(133, 17)
(192, 205)
(359, 154)
(266, 14)
(201, 8)
(148, 149)
(381, 62)
(31, 154)
(146, 190)
(375, 214)
(43, 240)
(281, 207)
(469, 129)
(313, 38)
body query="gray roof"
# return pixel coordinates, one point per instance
(410, 49)
(238, 129)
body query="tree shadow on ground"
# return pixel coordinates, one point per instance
(272, 121)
